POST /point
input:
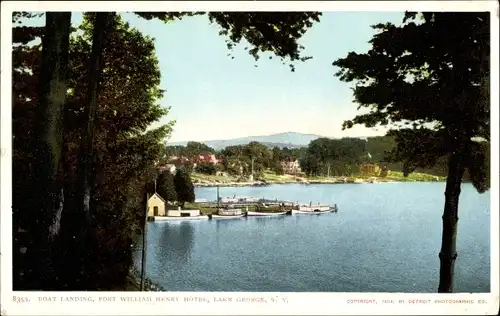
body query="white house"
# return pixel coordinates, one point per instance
(291, 166)
(170, 167)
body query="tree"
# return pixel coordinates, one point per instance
(233, 151)
(188, 167)
(195, 148)
(334, 156)
(48, 199)
(277, 168)
(81, 218)
(184, 187)
(175, 151)
(260, 153)
(126, 106)
(310, 165)
(429, 79)
(206, 168)
(165, 186)
(384, 172)
(277, 154)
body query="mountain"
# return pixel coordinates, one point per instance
(288, 139)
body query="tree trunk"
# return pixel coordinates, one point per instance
(448, 254)
(77, 220)
(48, 173)
(144, 244)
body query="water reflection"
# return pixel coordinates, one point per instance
(174, 241)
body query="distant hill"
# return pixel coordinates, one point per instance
(288, 139)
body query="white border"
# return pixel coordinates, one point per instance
(298, 303)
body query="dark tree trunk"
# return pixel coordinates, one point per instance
(448, 254)
(144, 243)
(48, 198)
(77, 220)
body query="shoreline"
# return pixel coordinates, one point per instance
(207, 183)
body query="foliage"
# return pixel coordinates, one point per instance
(184, 187)
(405, 81)
(124, 115)
(175, 151)
(197, 148)
(233, 151)
(165, 186)
(191, 150)
(206, 168)
(384, 172)
(335, 157)
(126, 107)
(274, 32)
(310, 165)
(188, 167)
(327, 156)
(277, 168)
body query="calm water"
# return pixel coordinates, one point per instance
(385, 238)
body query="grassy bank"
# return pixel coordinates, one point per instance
(414, 177)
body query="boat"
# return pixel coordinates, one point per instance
(178, 218)
(229, 213)
(239, 199)
(180, 215)
(217, 216)
(315, 209)
(250, 213)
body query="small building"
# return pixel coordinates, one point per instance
(178, 160)
(156, 205)
(291, 166)
(170, 167)
(207, 158)
(369, 169)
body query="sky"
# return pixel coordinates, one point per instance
(212, 96)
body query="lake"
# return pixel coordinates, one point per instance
(385, 238)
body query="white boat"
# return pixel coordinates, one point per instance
(315, 209)
(180, 215)
(249, 213)
(312, 211)
(217, 216)
(178, 218)
(228, 200)
(231, 213)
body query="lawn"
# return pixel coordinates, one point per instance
(398, 176)
(210, 177)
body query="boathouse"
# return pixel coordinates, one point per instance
(156, 205)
